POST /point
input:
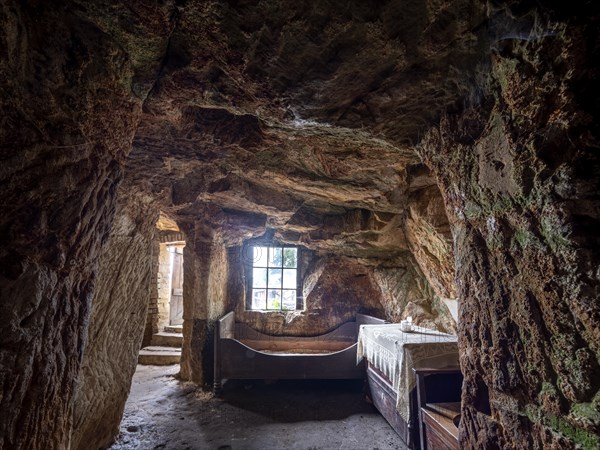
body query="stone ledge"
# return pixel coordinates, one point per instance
(167, 339)
(159, 356)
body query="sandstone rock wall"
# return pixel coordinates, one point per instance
(406, 292)
(338, 287)
(196, 269)
(151, 326)
(205, 299)
(519, 175)
(117, 319)
(68, 116)
(430, 240)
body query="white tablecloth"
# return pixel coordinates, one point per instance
(395, 353)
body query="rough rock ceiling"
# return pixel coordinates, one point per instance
(299, 117)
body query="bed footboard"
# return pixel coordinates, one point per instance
(245, 363)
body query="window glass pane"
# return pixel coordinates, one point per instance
(289, 278)
(290, 257)
(289, 299)
(275, 278)
(259, 298)
(275, 257)
(274, 299)
(260, 257)
(259, 278)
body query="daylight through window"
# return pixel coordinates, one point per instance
(274, 278)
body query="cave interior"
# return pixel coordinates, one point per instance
(432, 159)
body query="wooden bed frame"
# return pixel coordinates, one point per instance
(243, 353)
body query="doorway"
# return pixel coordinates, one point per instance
(176, 298)
(169, 287)
(163, 337)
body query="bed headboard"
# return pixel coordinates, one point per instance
(226, 326)
(363, 319)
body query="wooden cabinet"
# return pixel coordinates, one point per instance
(440, 425)
(438, 391)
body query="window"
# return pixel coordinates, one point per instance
(273, 280)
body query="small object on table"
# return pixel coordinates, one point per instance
(406, 325)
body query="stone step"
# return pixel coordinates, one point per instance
(164, 339)
(174, 329)
(159, 356)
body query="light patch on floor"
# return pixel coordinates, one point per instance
(163, 413)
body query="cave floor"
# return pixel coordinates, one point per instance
(163, 413)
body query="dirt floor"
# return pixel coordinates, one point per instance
(163, 413)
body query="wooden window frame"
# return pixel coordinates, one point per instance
(249, 265)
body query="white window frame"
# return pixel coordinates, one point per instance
(252, 264)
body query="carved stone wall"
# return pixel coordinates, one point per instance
(519, 175)
(117, 320)
(334, 290)
(205, 298)
(68, 117)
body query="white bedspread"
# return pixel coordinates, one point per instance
(395, 353)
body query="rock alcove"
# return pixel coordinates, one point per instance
(425, 153)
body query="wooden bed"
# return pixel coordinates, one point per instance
(244, 353)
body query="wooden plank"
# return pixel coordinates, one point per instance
(363, 319)
(440, 429)
(436, 370)
(242, 362)
(421, 398)
(345, 332)
(298, 346)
